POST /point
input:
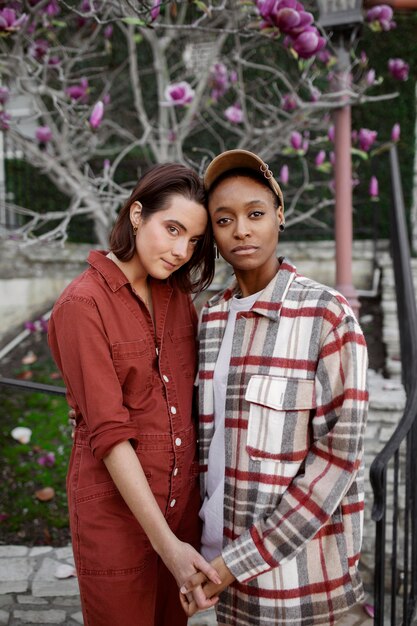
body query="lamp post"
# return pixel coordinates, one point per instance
(341, 18)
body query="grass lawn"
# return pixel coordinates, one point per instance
(27, 468)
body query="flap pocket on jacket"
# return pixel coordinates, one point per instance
(129, 349)
(279, 415)
(287, 394)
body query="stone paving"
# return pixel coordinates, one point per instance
(30, 592)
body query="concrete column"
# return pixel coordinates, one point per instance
(343, 188)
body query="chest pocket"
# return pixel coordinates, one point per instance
(279, 416)
(183, 340)
(132, 362)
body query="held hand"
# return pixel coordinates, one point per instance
(183, 561)
(199, 593)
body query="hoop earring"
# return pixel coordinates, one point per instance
(216, 252)
(282, 227)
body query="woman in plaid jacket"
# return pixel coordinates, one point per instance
(283, 404)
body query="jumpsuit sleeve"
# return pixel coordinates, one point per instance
(332, 463)
(81, 349)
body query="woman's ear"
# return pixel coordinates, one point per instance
(135, 213)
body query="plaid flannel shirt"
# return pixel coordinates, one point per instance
(295, 415)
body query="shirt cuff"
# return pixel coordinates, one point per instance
(244, 559)
(101, 443)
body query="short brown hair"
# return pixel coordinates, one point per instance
(153, 191)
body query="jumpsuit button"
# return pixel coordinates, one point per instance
(175, 471)
(173, 502)
(165, 378)
(173, 410)
(178, 441)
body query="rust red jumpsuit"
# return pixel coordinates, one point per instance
(127, 379)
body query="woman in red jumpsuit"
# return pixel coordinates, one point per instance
(123, 334)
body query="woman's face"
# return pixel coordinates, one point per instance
(166, 240)
(245, 224)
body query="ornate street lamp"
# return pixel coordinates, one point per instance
(341, 18)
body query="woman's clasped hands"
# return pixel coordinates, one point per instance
(199, 593)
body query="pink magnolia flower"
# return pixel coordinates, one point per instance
(219, 81)
(373, 187)
(47, 459)
(366, 138)
(4, 95)
(395, 132)
(331, 133)
(179, 94)
(96, 116)
(296, 140)
(380, 17)
(108, 32)
(308, 43)
(52, 9)
(78, 92)
(398, 69)
(43, 134)
(4, 120)
(370, 77)
(320, 158)
(155, 9)
(38, 49)
(234, 114)
(284, 174)
(9, 22)
(288, 102)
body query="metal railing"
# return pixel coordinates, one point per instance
(395, 514)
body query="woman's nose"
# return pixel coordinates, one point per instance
(180, 248)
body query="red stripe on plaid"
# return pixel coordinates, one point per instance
(329, 529)
(304, 499)
(326, 586)
(311, 311)
(295, 456)
(257, 477)
(355, 507)
(211, 317)
(352, 560)
(206, 419)
(299, 364)
(335, 346)
(206, 375)
(258, 541)
(337, 401)
(344, 464)
(230, 422)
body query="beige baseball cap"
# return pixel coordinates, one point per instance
(234, 159)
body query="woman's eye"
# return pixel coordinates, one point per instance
(257, 214)
(173, 230)
(223, 220)
(194, 242)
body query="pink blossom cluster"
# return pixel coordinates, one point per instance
(290, 18)
(10, 22)
(220, 80)
(179, 94)
(380, 17)
(39, 325)
(398, 69)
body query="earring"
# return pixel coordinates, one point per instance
(216, 252)
(282, 227)
(135, 230)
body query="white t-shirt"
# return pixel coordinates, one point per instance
(211, 511)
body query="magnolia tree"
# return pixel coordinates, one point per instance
(111, 82)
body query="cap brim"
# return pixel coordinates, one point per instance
(236, 159)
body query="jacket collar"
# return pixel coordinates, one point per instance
(270, 300)
(112, 274)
